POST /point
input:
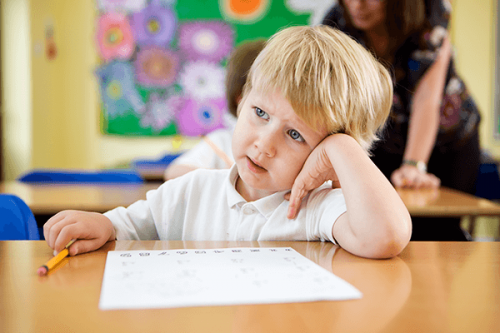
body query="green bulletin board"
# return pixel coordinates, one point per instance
(162, 62)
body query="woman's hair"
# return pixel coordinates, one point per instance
(238, 66)
(404, 18)
(330, 80)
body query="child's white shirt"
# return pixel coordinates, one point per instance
(204, 205)
(203, 156)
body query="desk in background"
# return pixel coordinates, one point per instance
(46, 200)
(50, 199)
(430, 287)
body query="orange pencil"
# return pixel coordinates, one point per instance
(43, 270)
(229, 162)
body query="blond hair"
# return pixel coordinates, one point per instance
(331, 81)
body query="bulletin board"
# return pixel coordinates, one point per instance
(162, 62)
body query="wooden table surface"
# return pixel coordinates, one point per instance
(431, 287)
(50, 199)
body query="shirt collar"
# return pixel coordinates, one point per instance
(266, 206)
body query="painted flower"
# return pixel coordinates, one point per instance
(244, 11)
(196, 117)
(116, 82)
(437, 35)
(450, 111)
(121, 5)
(114, 37)
(210, 40)
(154, 25)
(158, 113)
(156, 67)
(203, 80)
(454, 86)
(318, 8)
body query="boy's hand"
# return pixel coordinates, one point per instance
(91, 230)
(317, 169)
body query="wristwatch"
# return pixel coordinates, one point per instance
(420, 165)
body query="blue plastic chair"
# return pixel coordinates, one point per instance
(16, 219)
(79, 177)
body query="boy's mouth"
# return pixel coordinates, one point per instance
(254, 167)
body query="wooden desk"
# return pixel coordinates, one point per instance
(50, 199)
(446, 202)
(430, 287)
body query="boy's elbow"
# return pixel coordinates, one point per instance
(390, 242)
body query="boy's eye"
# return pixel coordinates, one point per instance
(262, 114)
(296, 135)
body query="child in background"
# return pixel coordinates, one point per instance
(215, 151)
(312, 105)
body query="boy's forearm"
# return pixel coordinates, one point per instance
(375, 213)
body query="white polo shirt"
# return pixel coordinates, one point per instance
(204, 205)
(203, 156)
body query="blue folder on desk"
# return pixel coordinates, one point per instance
(78, 177)
(163, 161)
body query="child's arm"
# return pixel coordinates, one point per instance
(377, 223)
(91, 230)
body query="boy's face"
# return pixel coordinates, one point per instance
(270, 144)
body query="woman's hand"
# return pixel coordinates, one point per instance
(409, 176)
(317, 169)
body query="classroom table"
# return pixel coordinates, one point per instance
(51, 198)
(430, 287)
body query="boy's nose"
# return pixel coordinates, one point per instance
(266, 143)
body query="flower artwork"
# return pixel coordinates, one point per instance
(211, 41)
(158, 113)
(156, 67)
(199, 117)
(118, 93)
(121, 5)
(154, 25)
(202, 80)
(114, 37)
(247, 11)
(162, 63)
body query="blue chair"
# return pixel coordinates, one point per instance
(16, 219)
(79, 177)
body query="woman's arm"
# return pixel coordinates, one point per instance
(424, 122)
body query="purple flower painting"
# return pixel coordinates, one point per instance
(154, 25)
(200, 117)
(210, 40)
(156, 67)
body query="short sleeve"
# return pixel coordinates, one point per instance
(325, 205)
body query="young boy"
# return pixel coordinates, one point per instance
(202, 155)
(313, 102)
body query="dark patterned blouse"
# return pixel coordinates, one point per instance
(459, 116)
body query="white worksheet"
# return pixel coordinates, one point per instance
(229, 276)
